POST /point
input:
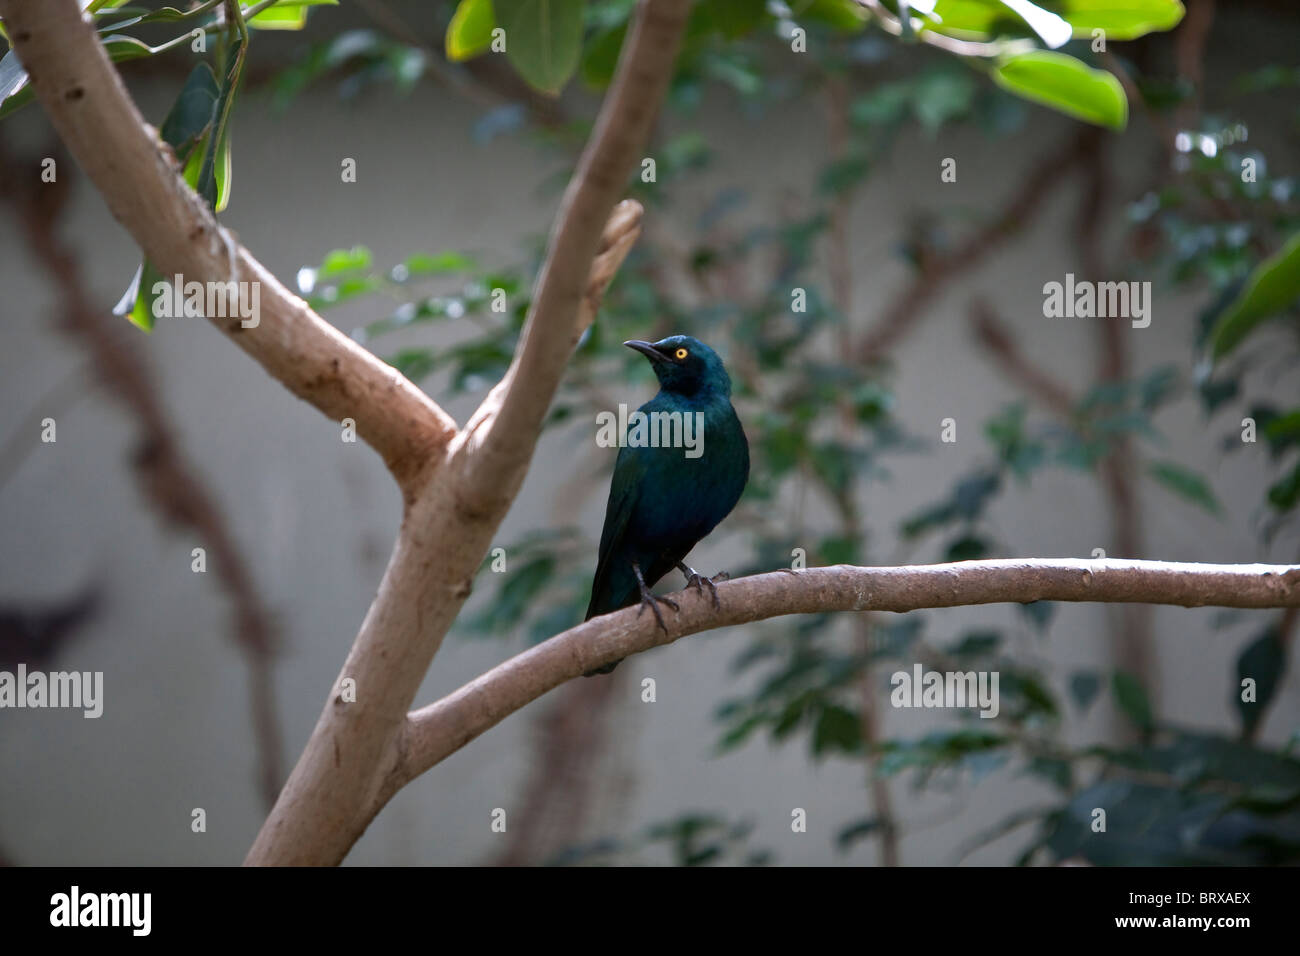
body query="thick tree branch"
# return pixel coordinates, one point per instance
(138, 176)
(503, 432)
(435, 732)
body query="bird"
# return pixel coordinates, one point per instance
(662, 502)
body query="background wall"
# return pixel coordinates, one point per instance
(315, 516)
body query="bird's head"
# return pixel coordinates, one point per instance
(685, 365)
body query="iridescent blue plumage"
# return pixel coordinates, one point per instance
(662, 502)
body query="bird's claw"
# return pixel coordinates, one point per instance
(653, 601)
(698, 581)
(649, 598)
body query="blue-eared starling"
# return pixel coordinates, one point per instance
(665, 497)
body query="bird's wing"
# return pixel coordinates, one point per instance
(630, 470)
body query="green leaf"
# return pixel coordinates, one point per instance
(443, 263)
(1271, 287)
(791, 716)
(12, 104)
(837, 728)
(136, 15)
(341, 261)
(1084, 687)
(741, 732)
(470, 30)
(856, 831)
(942, 96)
(1132, 699)
(193, 165)
(1051, 29)
(1158, 386)
(280, 18)
(287, 14)
(516, 594)
(136, 302)
(543, 39)
(1067, 85)
(976, 644)
(223, 174)
(1264, 661)
(477, 363)
(844, 15)
(1285, 492)
(415, 363)
(968, 547)
(1186, 484)
(936, 749)
(214, 173)
(192, 113)
(601, 58)
(1054, 770)
(735, 18)
(1039, 613)
(1031, 696)
(1281, 430)
(1121, 19)
(883, 105)
(121, 47)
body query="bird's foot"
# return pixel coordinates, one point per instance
(698, 581)
(788, 570)
(652, 601)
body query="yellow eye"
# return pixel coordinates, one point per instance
(680, 354)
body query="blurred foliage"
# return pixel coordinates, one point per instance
(691, 839)
(822, 425)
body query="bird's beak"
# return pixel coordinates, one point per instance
(648, 350)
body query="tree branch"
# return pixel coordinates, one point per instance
(503, 432)
(435, 732)
(998, 339)
(139, 178)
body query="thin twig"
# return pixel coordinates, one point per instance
(995, 336)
